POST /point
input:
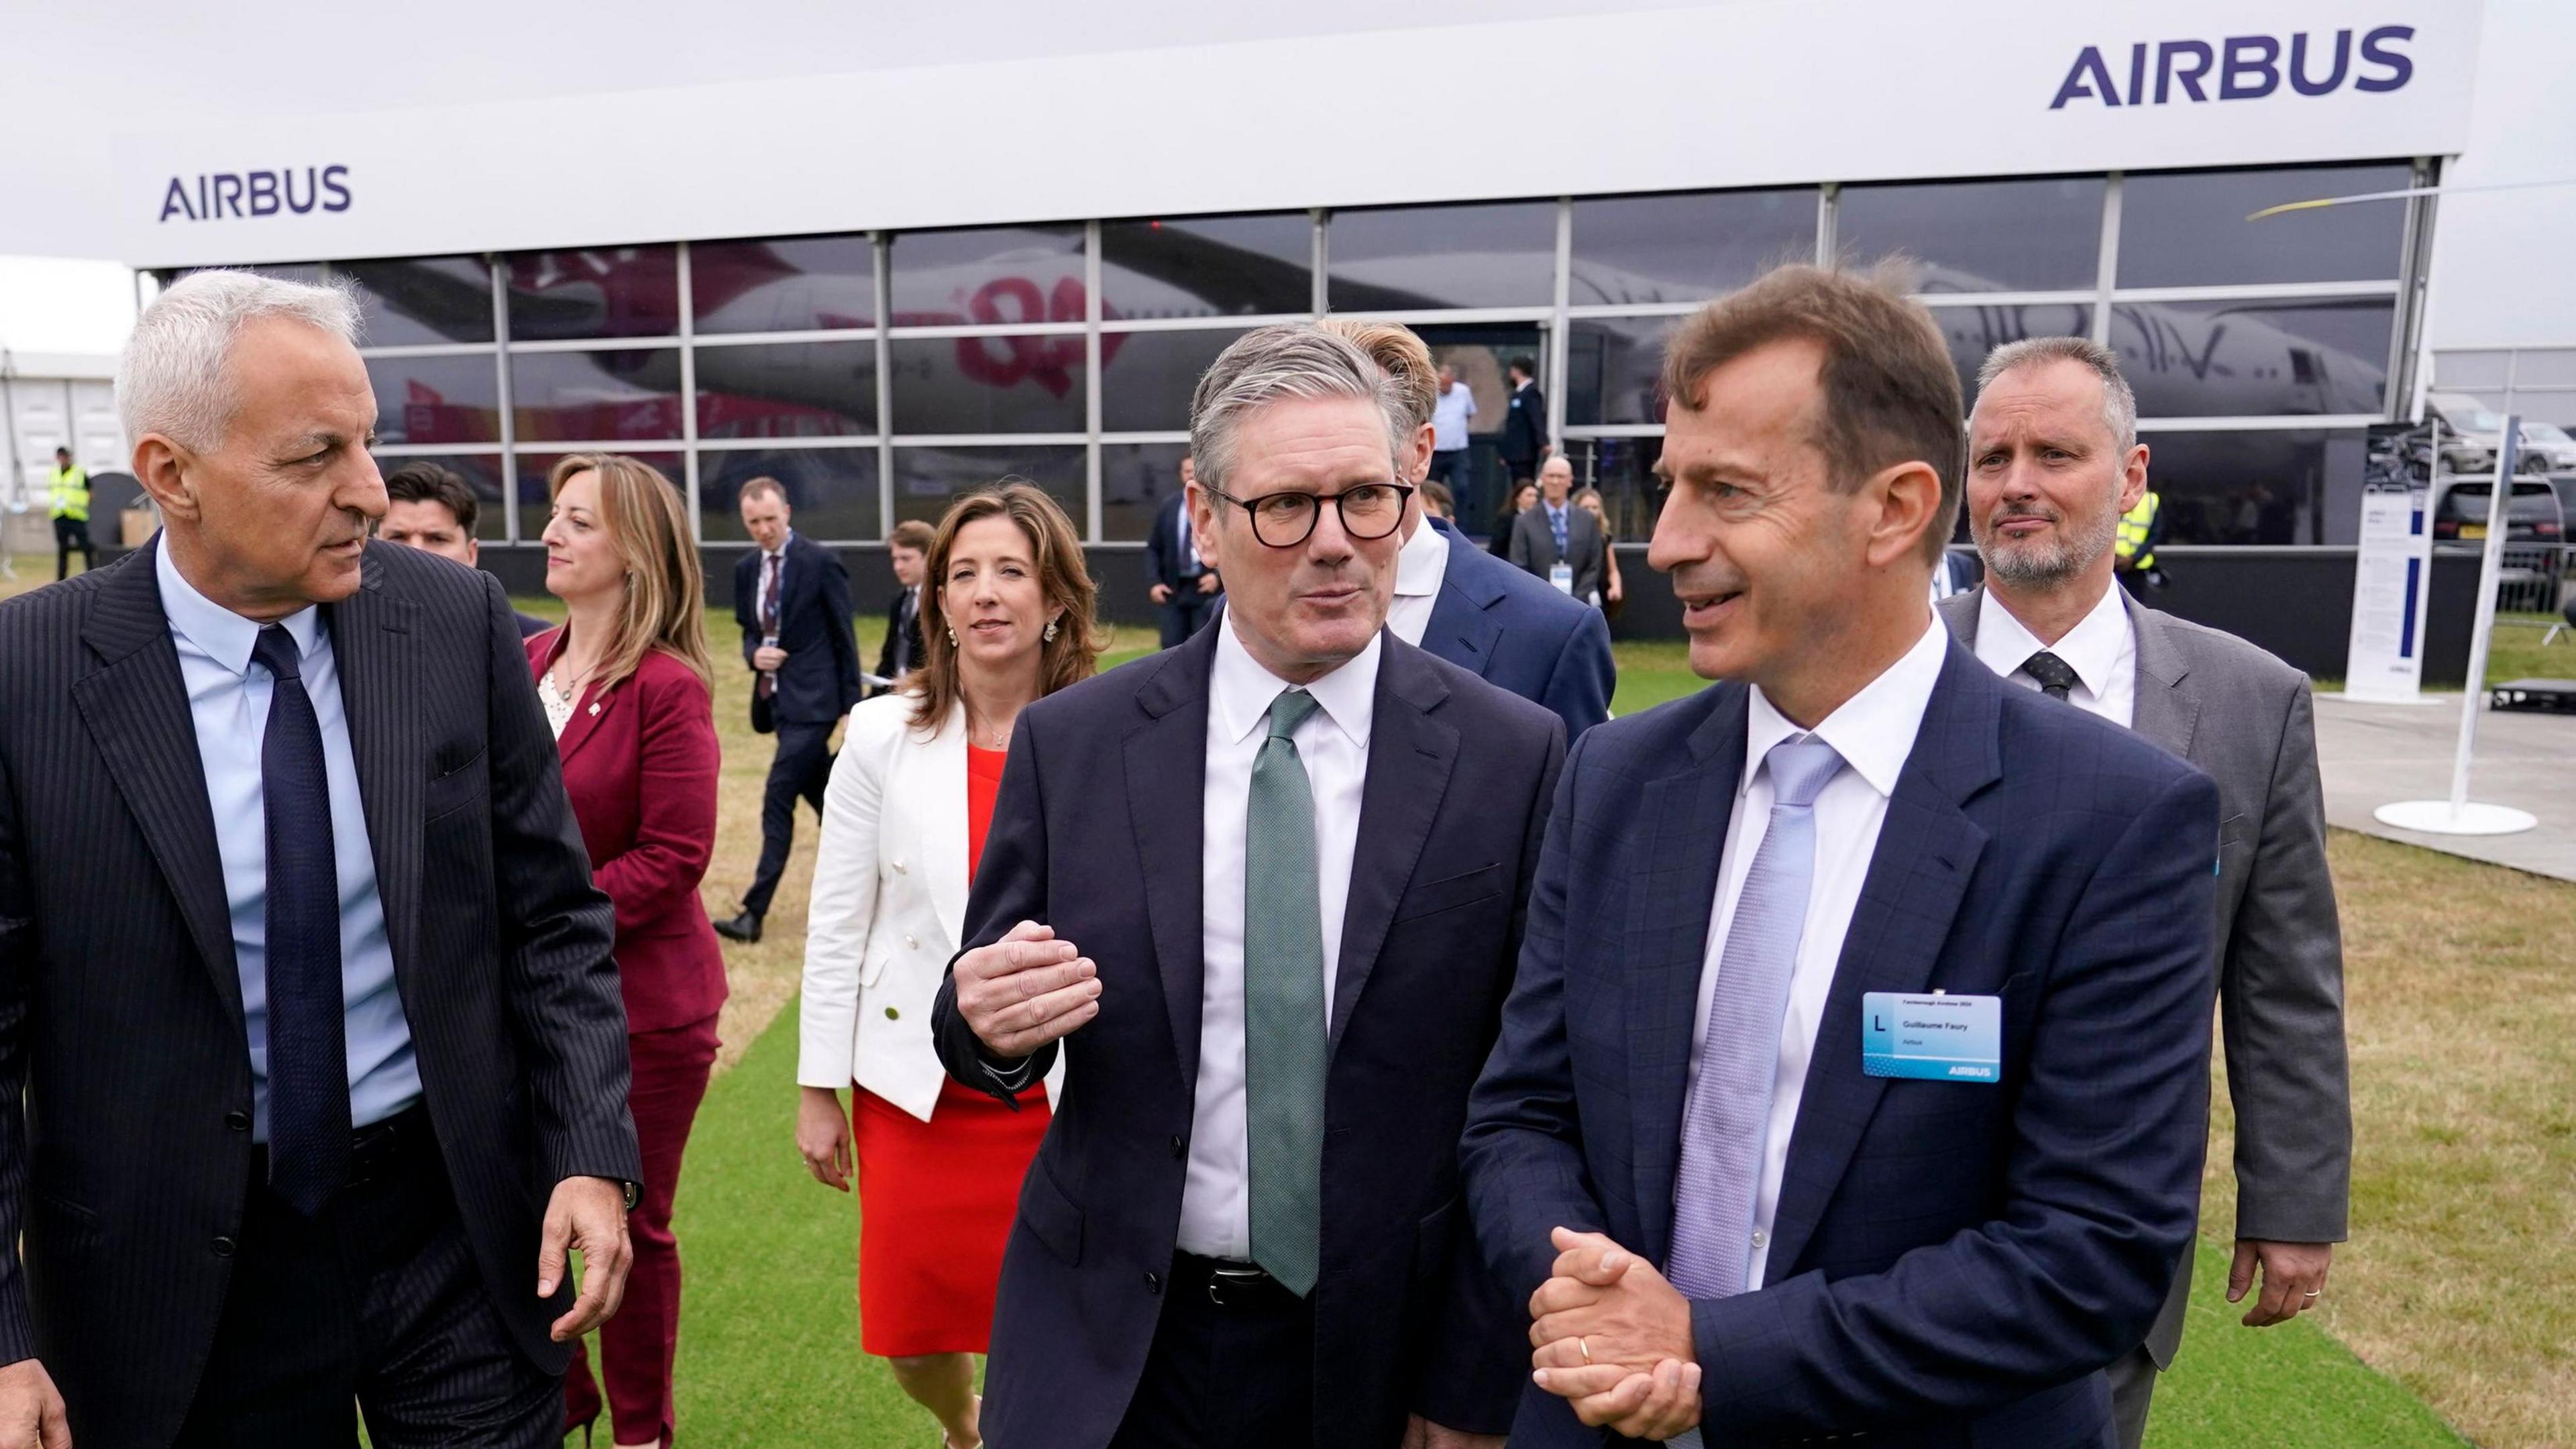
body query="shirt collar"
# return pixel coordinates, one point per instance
(220, 634)
(1873, 730)
(2092, 648)
(1241, 689)
(1421, 563)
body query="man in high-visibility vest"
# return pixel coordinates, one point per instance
(71, 515)
(2133, 549)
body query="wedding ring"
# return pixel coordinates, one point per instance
(2315, 1292)
(1587, 1350)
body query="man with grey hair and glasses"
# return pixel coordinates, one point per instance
(2053, 462)
(1264, 892)
(311, 1048)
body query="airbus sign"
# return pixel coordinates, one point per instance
(214, 195)
(2243, 68)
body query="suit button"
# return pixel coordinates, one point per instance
(1179, 1149)
(910, 943)
(893, 1015)
(898, 868)
(1154, 1284)
(238, 1121)
(223, 1247)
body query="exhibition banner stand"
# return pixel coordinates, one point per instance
(2392, 570)
(2459, 815)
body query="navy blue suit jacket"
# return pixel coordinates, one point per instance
(1097, 832)
(820, 680)
(1951, 1263)
(1518, 632)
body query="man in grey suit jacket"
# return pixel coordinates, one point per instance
(2053, 461)
(1534, 533)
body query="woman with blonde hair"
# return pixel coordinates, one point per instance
(1006, 618)
(625, 685)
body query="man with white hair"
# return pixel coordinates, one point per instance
(310, 1039)
(2054, 461)
(1273, 970)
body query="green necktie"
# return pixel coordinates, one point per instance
(1283, 1005)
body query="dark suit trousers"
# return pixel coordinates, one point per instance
(377, 1301)
(72, 535)
(800, 770)
(636, 1347)
(1186, 612)
(1239, 1373)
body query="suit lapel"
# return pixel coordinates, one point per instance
(2165, 710)
(1674, 895)
(588, 711)
(1959, 611)
(1927, 851)
(1166, 760)
(135, 704)
(933, 780)
(1410, 757)
(378, 658)
(1460, 629)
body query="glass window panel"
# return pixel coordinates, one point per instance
(2244, 359)
(1682, 248)
(1207, 266)
(584, 397)
(1147, 377)
(833, 491)
(1623, 469)
(411, 300)
(925, 479)
(2039, 234)
(1013, 384)
(481, 472)
(535, 507)
(436, 399)
(1403, 258)
(2189, 228)
(792, 284)
(599, 292)
(788, 390)
(2274, 487)
(989, 275)
(1972, 332)
(1614, 369)
(1135, 478)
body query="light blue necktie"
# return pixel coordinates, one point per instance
(1283, 1006)
(1727, 1121)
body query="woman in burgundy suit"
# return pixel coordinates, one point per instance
(624, 683)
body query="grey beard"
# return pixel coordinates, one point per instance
(2027, 564)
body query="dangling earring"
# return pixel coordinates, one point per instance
(952, 638)
(1049, 635)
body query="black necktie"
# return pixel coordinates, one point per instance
(2056, 677)
(903, 634)
(308, 1054)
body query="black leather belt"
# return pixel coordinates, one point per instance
(376, 1149)
(1229, 1284)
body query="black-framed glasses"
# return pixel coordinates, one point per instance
(1369, 511)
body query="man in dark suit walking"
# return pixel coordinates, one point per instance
(1184, 586)
(1855, 1077)
(1243, 1227)
(1559, 542)
(792, 598)
(2054, 462)
(908, 550)
(1524, 440)
(310, 1040)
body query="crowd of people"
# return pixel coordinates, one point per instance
(1331, 1030)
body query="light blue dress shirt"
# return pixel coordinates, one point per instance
(228, 699)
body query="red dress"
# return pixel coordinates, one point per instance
(936, 1198)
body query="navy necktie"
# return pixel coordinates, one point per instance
(308, 1054)
(2057, 679)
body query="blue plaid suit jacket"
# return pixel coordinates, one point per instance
(1951, 1264)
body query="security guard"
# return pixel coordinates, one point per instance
(71, 515)
(2133, 550)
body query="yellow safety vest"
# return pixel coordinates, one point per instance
(71, 494)
(2134, 528)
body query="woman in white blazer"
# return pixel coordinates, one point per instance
(1006, 617)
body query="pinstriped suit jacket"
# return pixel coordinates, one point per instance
(120, 1007)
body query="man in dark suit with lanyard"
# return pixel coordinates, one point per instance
(792, 598)
(310, 1040)
(1184, 586)
(908, 550)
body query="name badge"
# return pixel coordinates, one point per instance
(1936, 1038)
(1561, 575)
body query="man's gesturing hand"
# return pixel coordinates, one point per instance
(588, 1213)
(1025, 990)
(31, 1412)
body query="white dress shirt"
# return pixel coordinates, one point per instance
(228, 701)
(1450, 414)
(1419, 567)
(1333, 744)
(1874, 733)
(2102, 650)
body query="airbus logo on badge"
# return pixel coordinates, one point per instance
(2241, 68)
(214, 195)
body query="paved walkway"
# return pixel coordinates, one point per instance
(2374, 754)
